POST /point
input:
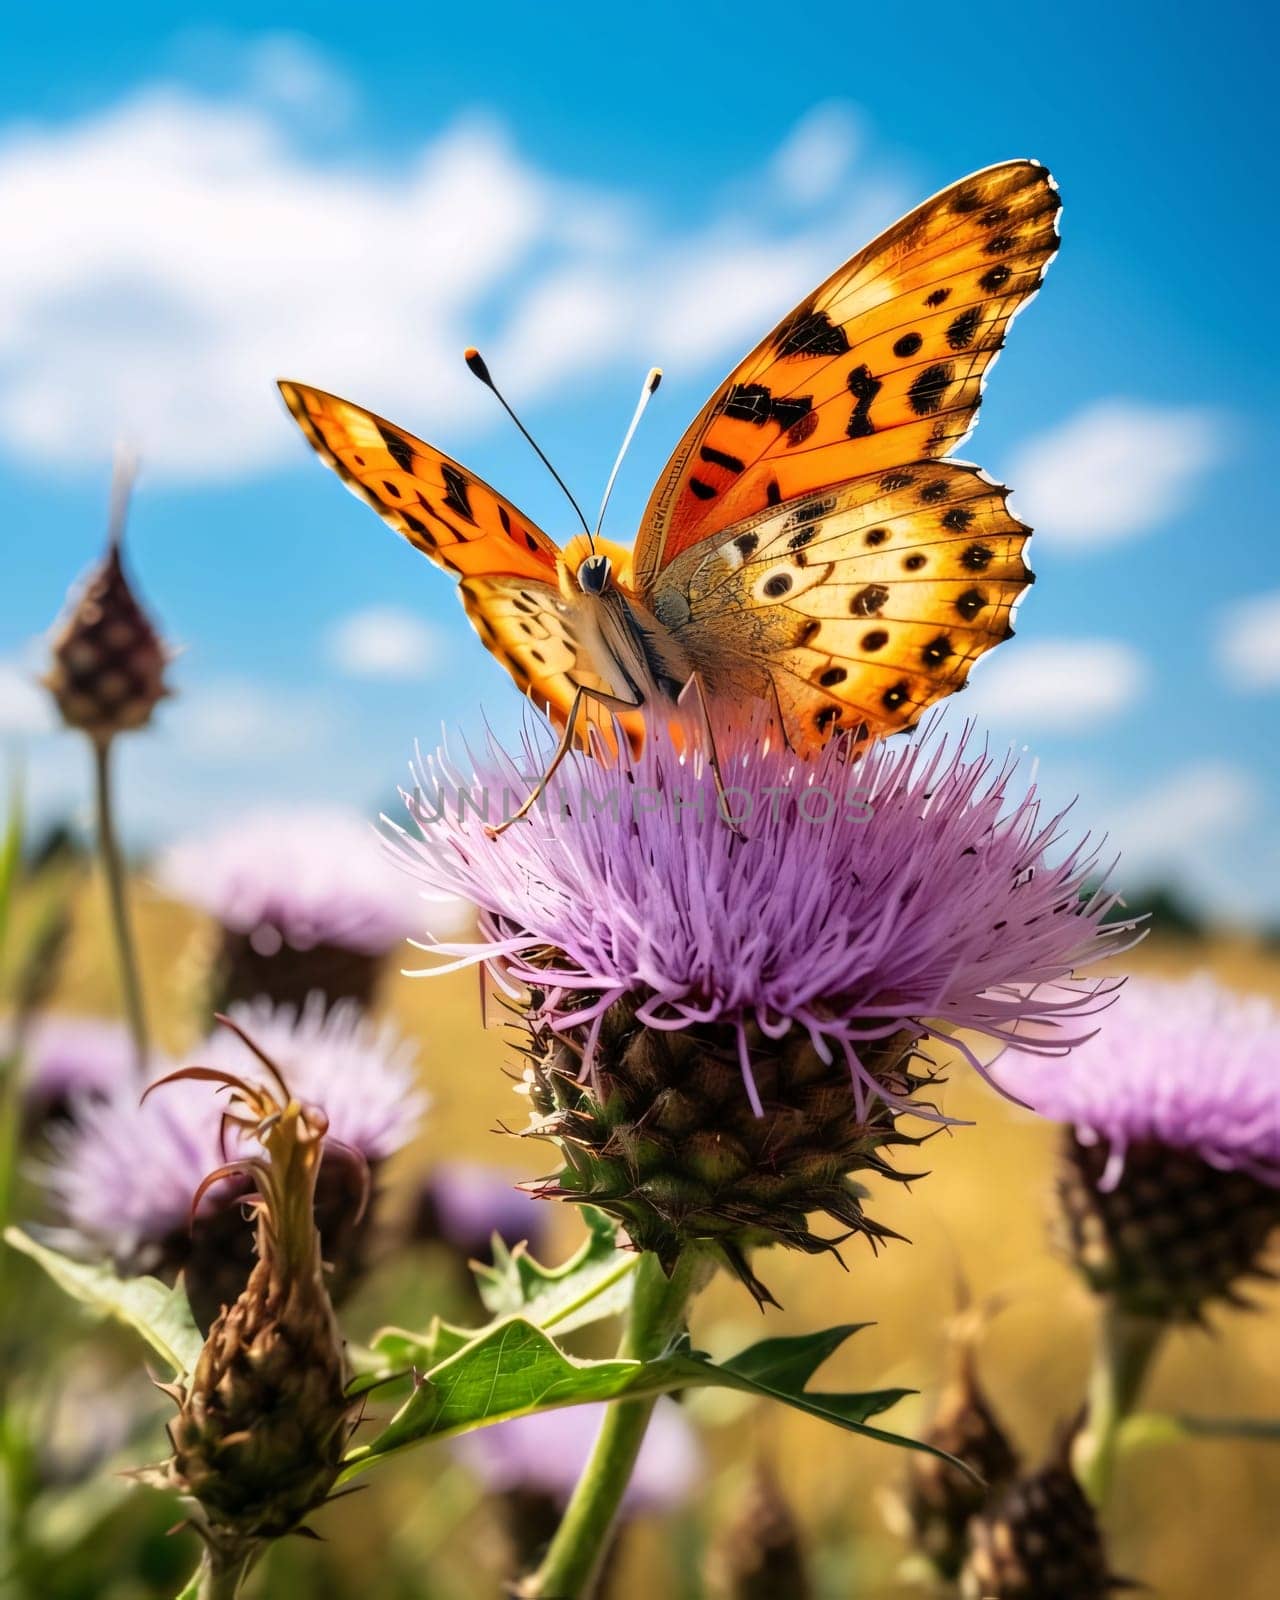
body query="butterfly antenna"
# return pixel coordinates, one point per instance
(480, 368)
(646, 394)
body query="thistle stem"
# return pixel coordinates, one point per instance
(1125, 1348)
(572, 1565)
(222, 1570)
(113, 870)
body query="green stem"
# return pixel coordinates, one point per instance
(1126, 1345)
(113, 869)
(571, 1568)
(220, 1574)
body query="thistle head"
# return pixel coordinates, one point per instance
(1169, 1172)
(722, 1029)
(107, 672)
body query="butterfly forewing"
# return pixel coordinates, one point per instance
(507, 564)
(451, 515)
(881, 366)
(860, 605)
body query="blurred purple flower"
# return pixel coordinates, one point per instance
(464, 1203)
(68, 1059)
(914, 890)
(545, 1453)
(1188, 1065)
(123, 1176)
(301, 878)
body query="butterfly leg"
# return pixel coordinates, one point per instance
(696, 687)
(581, 693)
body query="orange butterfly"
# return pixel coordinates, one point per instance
(806, 542)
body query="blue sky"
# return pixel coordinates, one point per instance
(191, 208)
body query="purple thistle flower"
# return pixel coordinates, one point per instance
(68, 1059)
(544, 1454)
(464, 1203)
(912, 891)
(301, 878)
(123, 1175)
(1169, 1177)
(1188, 1065)
(663, 963)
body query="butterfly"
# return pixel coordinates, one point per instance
(808, 543)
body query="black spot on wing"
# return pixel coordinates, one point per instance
(811, 333)
(704, 491)
(970, 603)
(907, 345)
(868, 602)
(457, 496)
(754, 403)
(720, 458)
(864, 388)
(398, 447)
(997, 276)
(936, 297)
(957, 519)
(961, 331)
(926, 394)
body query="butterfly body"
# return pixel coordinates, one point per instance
(808, 544)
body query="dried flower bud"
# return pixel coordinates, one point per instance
(1040, 1539)
(759, 1554)
(107, 672)
(940, 1501)
(261, 1429)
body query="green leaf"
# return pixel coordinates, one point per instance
(515, 1368)
(593, 1284)
(161, 1315)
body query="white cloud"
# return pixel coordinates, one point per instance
(25, 707)
(233, 721)
(1114, 470)
(1249, 642)
(1192, 813)
(817, 154)
(383, 642)
(178, 252)
(1057, 685)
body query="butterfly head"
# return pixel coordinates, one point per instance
(595, 574)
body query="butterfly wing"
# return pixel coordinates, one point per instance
(506, 563)
(881, 366)
(856, 607)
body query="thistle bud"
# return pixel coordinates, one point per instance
(940, 1501)
(1169, 1174)
(108, 666)
(1171, 1235)
(760, 1554)
(662, 1137)
(262, 1426)
(1040, 1539)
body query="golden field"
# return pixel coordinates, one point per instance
(1188, 1519)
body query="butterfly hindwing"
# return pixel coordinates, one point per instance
(526, 627)
(448, 513)
(855, 607)
(881, 366)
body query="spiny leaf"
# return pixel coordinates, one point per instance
(515, 1368)
(161, 1315)
(593, 1284)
